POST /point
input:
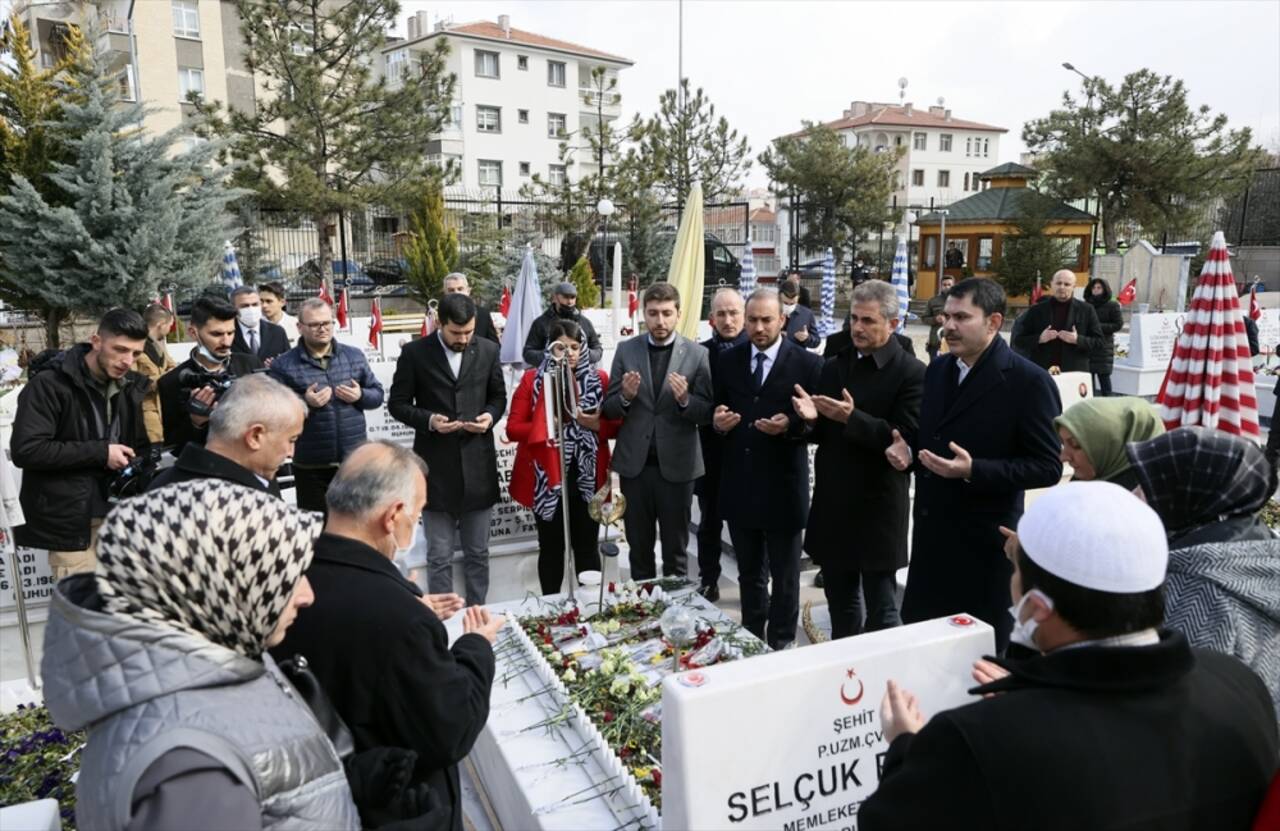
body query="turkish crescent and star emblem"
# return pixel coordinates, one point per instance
(849, 675)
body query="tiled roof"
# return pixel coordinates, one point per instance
(899, 117)
(1000, 205)
(487, 29)
(1009, 169)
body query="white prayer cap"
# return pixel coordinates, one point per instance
(1098, 536)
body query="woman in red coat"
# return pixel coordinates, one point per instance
(535, 480)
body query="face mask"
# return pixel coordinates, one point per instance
(203, 351)
(567, 312)
(1023, 630)
(250, 316)
(787, 310)
(402, 554)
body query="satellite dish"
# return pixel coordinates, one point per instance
(941, 100)
(902, 83)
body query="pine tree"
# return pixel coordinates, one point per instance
(432, 248)
(122, 216)
(585, 282)
(1032, 254)
(686, 143)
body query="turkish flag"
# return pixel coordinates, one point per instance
(342, 309)
(633, 303)
(1255, 310)
(1129, 293)
(167, 302)
(428, 324)
(324, 295)
(505, 305)
(375, 323)
(1037, 291)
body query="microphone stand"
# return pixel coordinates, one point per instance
(564, 400)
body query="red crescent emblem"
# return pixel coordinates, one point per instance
(851, 701)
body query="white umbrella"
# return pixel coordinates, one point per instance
(826, 321)
(230, 268)
(899, 281)
(617, 288)
(747, 280)
(526, 305)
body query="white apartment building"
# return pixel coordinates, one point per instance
(518, 95)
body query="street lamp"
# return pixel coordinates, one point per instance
(942, 245)
(910, 219)
(605, 208)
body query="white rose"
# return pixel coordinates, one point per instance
(620, 687)
(569, 676)
(607, 668)
(555, 657)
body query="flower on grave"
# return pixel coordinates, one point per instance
(547, 647)
(620, 686)
(642, 772)
(555, 657)
(607, 668)
(657, 777)
(608, 716)
(630, 585)
(569, 676)
(613, 587)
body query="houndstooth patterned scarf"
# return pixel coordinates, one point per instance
(208, 557)
(580, 444)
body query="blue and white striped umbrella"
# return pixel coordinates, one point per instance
(826, 321)
(230, 268)
(747, 280)
(899, 281)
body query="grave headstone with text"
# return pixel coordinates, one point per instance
(1152, 338)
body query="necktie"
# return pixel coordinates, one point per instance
(758, 377)
(253, 341)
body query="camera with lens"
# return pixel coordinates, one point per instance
(134, 477)
(193, 378)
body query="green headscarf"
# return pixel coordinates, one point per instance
(1103, 426)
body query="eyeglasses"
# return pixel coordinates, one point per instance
(324, 324)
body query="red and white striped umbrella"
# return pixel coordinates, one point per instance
(1209, 382)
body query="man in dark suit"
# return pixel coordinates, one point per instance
(448, 387)
(868, 390)
(456, 283)
(251, 433)
(800, 324)
(1063, 332)
(764, 482)
(256, 335)
(802, 293)
(727, 312)
(986, 434)
(378, 646)
(660, 388)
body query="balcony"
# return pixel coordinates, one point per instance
(587, 102)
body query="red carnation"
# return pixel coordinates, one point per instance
(657, 778)
(608, 717)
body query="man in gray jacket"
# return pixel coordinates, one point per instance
(660, 387)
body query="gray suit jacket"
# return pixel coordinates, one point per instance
(654, 409)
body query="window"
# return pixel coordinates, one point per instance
(966, 181)
(556, 125)
(897, 180)
(301, 36)
(1068, 250)
(522, 116)
(128, 90)
(190, 143)
(555, 74)
(455, 117)
(897, 141)
(486, 64)
(944, 178)
(386, 224)
(522, 62)
(986, 146)
(189, 81)
(944, 142)
(968, 147)
(524, 168)
(984, 255)
(930, 252)
(557, 174)
(917, 178)
(488, 119)
(490, 172)
(186, 19)
(397, 62)
(920, 141)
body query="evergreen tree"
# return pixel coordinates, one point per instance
(123, 215)
(686, 143)
(524, 232)
(844, 192)
(330, 134)
(1032, 253)
(1139, 149)
(432, 248)
(585, 282)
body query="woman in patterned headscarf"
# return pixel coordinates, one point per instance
(1224, 563)
(161, 654)
(535, 477)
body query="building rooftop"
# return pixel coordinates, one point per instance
(1010, 170)
(888, 115)
(1001, 205)
(488, 30)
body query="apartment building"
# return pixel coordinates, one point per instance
(735, 225)
(159, 49)
(518, 96)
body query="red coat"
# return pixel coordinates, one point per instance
(519, 427)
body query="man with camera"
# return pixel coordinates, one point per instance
(78, 424)
(189, 391)
(251, 433)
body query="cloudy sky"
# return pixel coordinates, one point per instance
(767, 64)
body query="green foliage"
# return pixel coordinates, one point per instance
(37, 761)
(1142, 151)
(649, 246)
(844, 191)
(431, 251)
(122, 216)
(585, 282)
(1031, 254)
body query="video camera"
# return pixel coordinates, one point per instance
(191, 378)
(133, 479)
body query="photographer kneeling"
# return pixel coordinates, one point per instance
(189, 391)
(251, 432)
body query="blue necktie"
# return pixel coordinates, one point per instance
(759, 374)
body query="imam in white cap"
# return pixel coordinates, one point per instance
(1098, 536)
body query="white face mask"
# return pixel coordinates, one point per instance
(250, 316)
(787, 310)
(1024, 630)
(402, 554)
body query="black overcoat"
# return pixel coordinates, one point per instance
(1075, 357)
(463, 467)
(859, 517)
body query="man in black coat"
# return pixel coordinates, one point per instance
(859, 519)
(184, 406)
(727, 311)
(255, 335)
(448, 387)
(1063, 332)
(564, 305)
(764, 480)
(251, 433)
(78, 424)
(1117, 725)
(800, 324)
(986, 435)
(456, 283)
(377, 646)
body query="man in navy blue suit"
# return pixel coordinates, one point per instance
(764, 470)
(799, 323)
(985, 436)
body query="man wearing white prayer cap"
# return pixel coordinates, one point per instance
(1115, 725)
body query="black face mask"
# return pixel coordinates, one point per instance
(566, 312)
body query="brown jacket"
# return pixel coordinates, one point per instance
(151, 404)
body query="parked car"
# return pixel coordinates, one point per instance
(721, 265)
(348, 272)
(386, 271)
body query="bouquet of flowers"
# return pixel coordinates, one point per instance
(37, 760)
